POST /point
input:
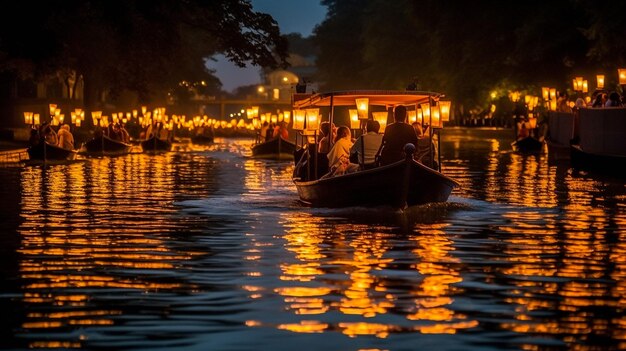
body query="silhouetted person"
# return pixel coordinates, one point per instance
(397, 135)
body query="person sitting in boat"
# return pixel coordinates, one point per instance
(561, 103)
(328, 133)
(270, 132)
(281, 130)
(614, 100)
(366, 146)
(48, 134)
(396, 135)
(523, 129)
(426, 149)
(339, 155)
(124, 134)
(66, 139)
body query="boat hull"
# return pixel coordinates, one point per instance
(202, 139)
(528, 145)
(104, 145)
(604, 163)
(275, 149)
(155, 144)
(51, 152)
(399, 185)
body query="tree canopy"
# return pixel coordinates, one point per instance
(145, 46)
(468, 49)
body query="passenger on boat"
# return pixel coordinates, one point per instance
(66, 139)
(523, 129)
(368, 145)
(281, 130)
(270, 132)
(48, 134)
(124, 134)
(600, 100)
(426, 150)
(396, 135)
(263, 132)
(418, 129)
(339, 155)
(328, 133)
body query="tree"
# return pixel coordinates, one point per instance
(145, 46)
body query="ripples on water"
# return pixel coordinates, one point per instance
(207, 249)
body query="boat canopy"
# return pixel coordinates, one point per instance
(376, 97)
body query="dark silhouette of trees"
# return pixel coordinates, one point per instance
(144, 46)
(467, 49)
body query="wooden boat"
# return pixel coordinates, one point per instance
(601, 140)
(399, 185)
(155, 144)
(103, 145)
(202, 139)
(275, 149)
(528, 145)
(45, 151)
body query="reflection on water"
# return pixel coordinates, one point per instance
(206, 248)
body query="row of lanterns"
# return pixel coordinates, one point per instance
(433, 115)
(56, 117)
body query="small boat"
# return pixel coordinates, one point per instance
(202, 139)
(528, 145)
(45, 151)
(399, 185)
(103, 145)
(155, 144)
(275, 149)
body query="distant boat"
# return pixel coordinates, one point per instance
(275, 149)
(202, 139)
(155, 144)
(103, 145)
(401, 184)
(528, 145)
(45, 151)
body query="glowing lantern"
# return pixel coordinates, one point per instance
(249, 113)
(312, 118)
(435, 117)
(298, 119)
(545, 93)
(28, 117)
(585, 86)
(381, 118)
(286, 116)
(412, 116)
(425, 112)
(362, 105)
(36, 119)
(52, 108)
(420, 116)
(574, 84)
(354, 119)
(621, 73)
(579, 84)
(274, 119)
(532, 122)
(552, 105)
(600, 80)
(552, 93)
(444, 107)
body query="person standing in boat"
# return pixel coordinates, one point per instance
(367, 145)
(263, 132)
(396, 135)
(66, 139)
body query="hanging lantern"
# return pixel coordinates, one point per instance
(286, 116)
(52, 108)
(444, 107)
(381, 118)
(600, 80)
(36, 119)
(532, 122)
(354, 119)
(298, 119)
(425, 112)
(435, 117)
(312, 118)
(621, 73)
(249, 113)
(420, 116)
(28, 117)
(362, 105)
(574, 84)
(579, 83)
(545, 93)
(552, 93)
(585, 86)
(412, 116)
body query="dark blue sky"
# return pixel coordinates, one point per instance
(293, 16)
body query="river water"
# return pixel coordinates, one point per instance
(206, 249)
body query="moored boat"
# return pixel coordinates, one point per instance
(274, 149)
(105, 146)
(155, 144)
(399, 185)
(45, 151)
(528, 145)
(600, 144)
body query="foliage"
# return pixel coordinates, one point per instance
(467, 49)
(145, 46)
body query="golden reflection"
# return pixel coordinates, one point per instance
(81, 221)
(305, 327)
